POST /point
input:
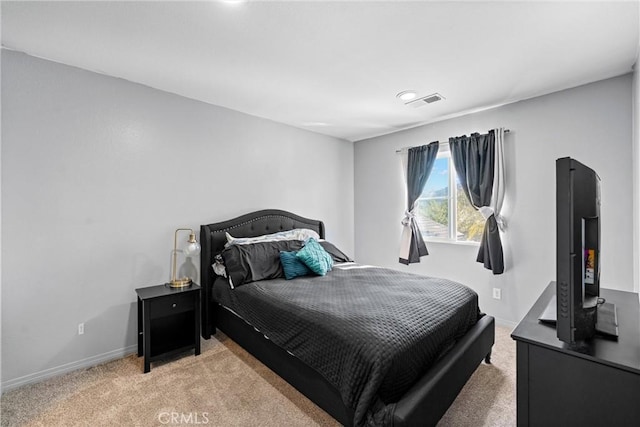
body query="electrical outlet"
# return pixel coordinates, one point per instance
(497, 293)
(80, 328)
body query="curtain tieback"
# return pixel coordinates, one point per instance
(409, 217)
(487, 211)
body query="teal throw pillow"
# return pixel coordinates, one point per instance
(315, 257)
(292, 266)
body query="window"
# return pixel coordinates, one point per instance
(442, 211)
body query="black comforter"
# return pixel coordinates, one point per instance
(370, 331)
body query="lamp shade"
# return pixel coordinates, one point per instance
(192, 249)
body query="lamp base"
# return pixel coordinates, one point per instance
(180, 283)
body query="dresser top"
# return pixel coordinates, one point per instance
(623, 353)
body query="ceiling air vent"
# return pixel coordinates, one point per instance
(429, 99)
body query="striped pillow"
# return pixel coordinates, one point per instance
(315, 257)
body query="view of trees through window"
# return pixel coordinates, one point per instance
(443, 210)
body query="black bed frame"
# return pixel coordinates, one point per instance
(423, 405)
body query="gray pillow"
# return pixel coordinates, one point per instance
(336, 254)
(256, 261)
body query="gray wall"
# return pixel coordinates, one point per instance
(591, 123)
(98, 172)
(636, 177)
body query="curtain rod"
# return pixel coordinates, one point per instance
(446, 142)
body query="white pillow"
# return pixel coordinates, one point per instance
(295, 234)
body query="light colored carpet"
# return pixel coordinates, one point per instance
(225, 386)
(489, 397)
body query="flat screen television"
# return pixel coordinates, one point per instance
(580, 313)
(577, 250)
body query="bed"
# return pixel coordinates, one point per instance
(378, 400)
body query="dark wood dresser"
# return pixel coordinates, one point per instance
(597, 384)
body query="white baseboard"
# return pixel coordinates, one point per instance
(68, 367)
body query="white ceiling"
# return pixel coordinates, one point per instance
(335, 67)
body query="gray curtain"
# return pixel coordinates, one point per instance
(474, 158)
(419, 164)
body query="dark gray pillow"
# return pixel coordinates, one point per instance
(256, 261)
(336, 254)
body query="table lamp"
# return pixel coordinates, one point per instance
(192, 248)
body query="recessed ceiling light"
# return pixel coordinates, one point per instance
(407, 95)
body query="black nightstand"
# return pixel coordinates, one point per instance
(168, 321)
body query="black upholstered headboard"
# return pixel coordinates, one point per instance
(213, 239)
